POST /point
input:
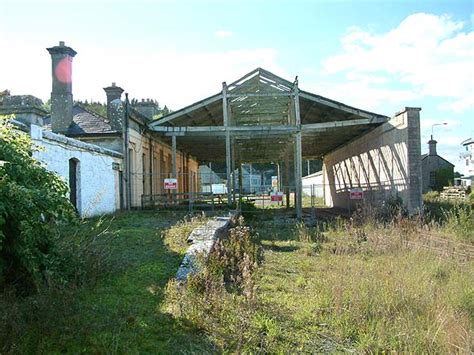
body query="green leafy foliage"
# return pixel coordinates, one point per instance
(444, 177)
(33, 201)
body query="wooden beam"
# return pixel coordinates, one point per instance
(287, 178)
(221, 130)
(225, 114)
(298, 153)
(173, 152)
(317, 127)
(185, 110)
(263, 94)
(338, 105)
(267, 129)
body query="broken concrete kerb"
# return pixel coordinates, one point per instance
(203, 239)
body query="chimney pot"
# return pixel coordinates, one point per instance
(114, 111)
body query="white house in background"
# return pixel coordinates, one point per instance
(467, 156)
(209, 180)
(251, 179)
(313, 184)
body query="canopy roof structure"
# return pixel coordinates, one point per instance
(264, 118)
(262, 113)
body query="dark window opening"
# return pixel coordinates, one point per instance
(73, 178)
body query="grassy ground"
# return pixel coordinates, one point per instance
(363, 291)
(341, 286)
(333, 287)
(119, 313)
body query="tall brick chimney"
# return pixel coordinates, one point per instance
(115, 112)
(61, 95)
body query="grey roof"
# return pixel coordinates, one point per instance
(85, 122)
(424, 156)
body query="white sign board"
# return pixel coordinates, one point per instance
(276, 196)
(275, 181)
(171, 184)
(356, 193)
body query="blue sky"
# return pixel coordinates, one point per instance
(375, 55)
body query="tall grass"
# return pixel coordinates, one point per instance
(357, 285)
(220, 299)
(452, 217)
(85, 250)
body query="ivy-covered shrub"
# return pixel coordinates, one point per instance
(33, 202)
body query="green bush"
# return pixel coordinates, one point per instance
(444, 177)
(459, 221)
(33, 201)
(431, 196)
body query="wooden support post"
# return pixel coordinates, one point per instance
(287, 179)
(173, 158)
(225, 113)
(279, 185)
(190, 184)
(233, 170)
(298, 156)
(240, 185)
(173, 168)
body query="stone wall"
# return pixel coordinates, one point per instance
(97, 181)
(433, 164)
(384, 162)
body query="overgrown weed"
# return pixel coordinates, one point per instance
(84, 249)
(221, 299)
(176, 237)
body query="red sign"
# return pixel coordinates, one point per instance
(276, 196)
(171, 184)
(356, 194)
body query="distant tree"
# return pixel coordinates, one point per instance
(97, 107)
(47, 105)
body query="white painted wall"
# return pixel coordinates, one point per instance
(97, 184)
(313, 184)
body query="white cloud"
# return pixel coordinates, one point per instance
(175, 78)
(223, 34)
(361, 93)
(429, 53)
(427, 123)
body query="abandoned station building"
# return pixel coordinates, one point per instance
(122, 160)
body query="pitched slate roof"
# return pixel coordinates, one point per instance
(85, 122)
(424, 156)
